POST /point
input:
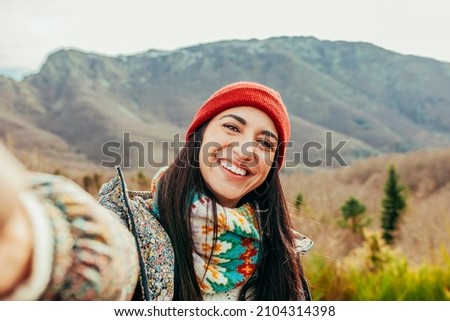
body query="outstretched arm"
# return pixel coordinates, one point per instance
(58, 243)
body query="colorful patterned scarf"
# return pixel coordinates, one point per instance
(235, 253)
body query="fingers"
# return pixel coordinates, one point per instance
(15, 252)
(12, 183)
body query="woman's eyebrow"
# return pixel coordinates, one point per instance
(239, 119)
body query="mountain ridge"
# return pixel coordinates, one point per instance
(378, 100)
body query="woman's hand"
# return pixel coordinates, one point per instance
(15, 229)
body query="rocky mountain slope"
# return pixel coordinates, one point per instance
(376, 100)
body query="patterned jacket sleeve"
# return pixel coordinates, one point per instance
(82, 251)
(155, 251)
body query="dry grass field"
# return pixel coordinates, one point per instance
(424, 227)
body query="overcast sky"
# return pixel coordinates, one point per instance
(30, 30)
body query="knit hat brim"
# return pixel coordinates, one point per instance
(252, 95)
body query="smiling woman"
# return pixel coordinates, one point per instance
(214, 226)
(231, 211)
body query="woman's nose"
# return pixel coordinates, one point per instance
(246, 150)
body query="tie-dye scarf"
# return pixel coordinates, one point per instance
(235, 253)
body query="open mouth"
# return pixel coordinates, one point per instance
(233, 168)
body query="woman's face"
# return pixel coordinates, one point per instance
(237, 153)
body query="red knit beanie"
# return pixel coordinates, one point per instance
(252, 95)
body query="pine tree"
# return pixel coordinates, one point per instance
(353, 215)
(393, 203)
(298, 201)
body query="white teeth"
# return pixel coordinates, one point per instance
(233, 168)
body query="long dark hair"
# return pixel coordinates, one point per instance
(279, 273)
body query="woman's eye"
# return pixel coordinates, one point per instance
(231, 127)
(265, 144)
